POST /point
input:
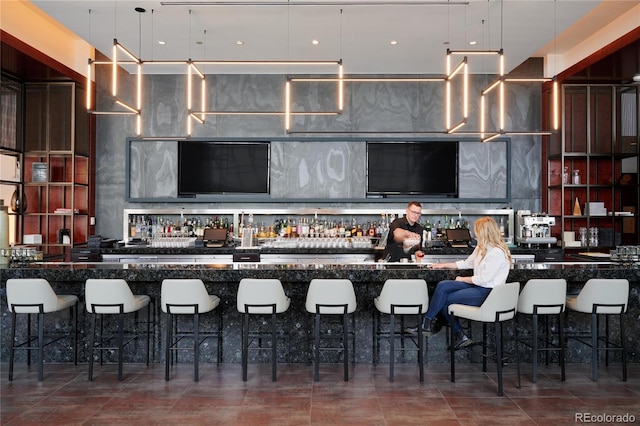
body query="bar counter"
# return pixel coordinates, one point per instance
(367, 277)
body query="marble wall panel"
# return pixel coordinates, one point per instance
(482, 170)
(153, 169)
(318, 169)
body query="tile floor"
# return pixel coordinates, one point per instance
(65, 397)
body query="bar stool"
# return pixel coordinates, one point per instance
(332, 297)
(261, 297)
(113, 297)
(400, 297)
(187, 297)
(35, 296)
(544, 297)
(602, 297)
(499, 306)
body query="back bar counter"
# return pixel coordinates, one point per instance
(367, 276)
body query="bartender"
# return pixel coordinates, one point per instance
(402, 231)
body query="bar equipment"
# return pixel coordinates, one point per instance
(534, 228)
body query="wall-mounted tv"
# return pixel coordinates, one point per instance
(208, 167)
(427, 168)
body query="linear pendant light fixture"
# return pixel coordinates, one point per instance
(462, 66)
(115, 65)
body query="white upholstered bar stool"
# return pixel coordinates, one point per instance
(544, 298)
(258, 296)
(400, 297)
(35, 296)
(187, 297)
(499, 306)
(332, 297)
(601, 297)
(113, 297)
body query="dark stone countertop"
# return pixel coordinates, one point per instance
(362, 273)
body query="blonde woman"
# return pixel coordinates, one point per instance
(491, 261)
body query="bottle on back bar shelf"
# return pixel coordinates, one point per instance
(132, 226)
(288, 229)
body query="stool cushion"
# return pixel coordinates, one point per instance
(187, 292)
(112, 292)
(503, 297)
(331, 292)
(256, 291)
(601, 292)
(34, 291)
(403, 292)
(538, 292)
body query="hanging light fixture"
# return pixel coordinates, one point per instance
(461, 67)
(115, 65)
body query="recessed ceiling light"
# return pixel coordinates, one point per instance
(162, 43)
(393, 42)
(315, 42)
(473, 42)
(239, 42)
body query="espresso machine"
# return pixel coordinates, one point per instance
(534, 228)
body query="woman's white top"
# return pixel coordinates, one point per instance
(490, 271)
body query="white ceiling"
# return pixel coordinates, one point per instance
(357, 31)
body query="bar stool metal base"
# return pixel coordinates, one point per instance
(42, 339)
(120, 337)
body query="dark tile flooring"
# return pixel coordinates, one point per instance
(65, 397)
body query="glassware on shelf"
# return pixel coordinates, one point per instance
(593, 236)
(565, 175)
(576, 177)
(583, 236)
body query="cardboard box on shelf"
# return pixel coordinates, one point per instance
(32, 239)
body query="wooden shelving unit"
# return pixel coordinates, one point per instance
(57, 142)
(599, 139)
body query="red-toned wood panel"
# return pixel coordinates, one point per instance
(576, 120)
(60, 168)
(601, 120)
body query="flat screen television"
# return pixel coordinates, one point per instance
(206, 167)
(427, 168)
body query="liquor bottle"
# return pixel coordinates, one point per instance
(427, 229)
(139, 227)
(287, 233)
(132, 226)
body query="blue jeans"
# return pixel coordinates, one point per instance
(449, 292)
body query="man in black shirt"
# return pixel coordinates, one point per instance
(404, 228)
